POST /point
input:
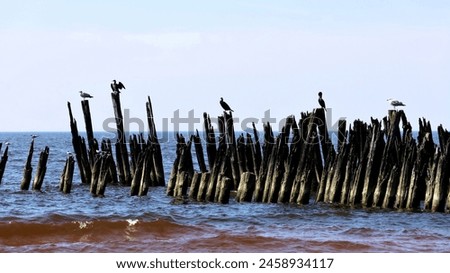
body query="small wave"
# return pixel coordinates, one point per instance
(132, 222)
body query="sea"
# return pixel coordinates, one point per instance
(50, 221)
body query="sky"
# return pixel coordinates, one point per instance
(265, 58)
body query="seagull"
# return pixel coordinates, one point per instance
(225, 105)
(396, 103)
(321, 101)
(85, 95)
(117, 86)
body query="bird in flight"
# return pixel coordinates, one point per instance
(225, 105)
(395, 103)
(85, 95)
(321, 101)
(117, 86)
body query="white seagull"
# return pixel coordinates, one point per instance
(395, 103)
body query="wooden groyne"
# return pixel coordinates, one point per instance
(376, 165)
(138, 165)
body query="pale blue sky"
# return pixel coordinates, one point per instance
(258, 55)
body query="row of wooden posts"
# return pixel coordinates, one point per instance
(28, 169)
(379, 165)
(139, 168)
(98, 163)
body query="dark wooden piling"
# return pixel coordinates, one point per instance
(106, 148)
(92, 143)
(96, 170)
(157, 160)
(136, 181)
(407, 163)
(27, 171)
(361, 144)
(182, 183)
(267, 147)
(257, 150)
(291, 164)
(203, 188)
(67, 175)
(231, 146)
(320, 120)
(376, 149)
(173, 174)
(246, 187)
(148, 178)
(125, 176)
(41, 169)
(224, 187)
(105, 175)
(79, 149)
(195, 185)
(199, 152)
(210, 139)
(440, 183)
(3, 161)
(342, 133)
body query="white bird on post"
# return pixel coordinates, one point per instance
(395, 103)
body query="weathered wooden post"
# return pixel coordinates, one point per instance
(41, 169)
(156, 154)
(173, 175)
(210, 139)
(25, 184)
(136, 181)
(67, 175)
(122, 151)
(267, 147)
(92, 143)
(224, 187)
(104, 176)
(202, 189)
(441, 181)
(231, 141)
(3, 162)
(246, 187)
(79, 149)
(199, 152)
(147, 174)
(195, 185)
(291, 164)
(375, 154)
(361, 144)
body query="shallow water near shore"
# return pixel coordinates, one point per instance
(50, 221)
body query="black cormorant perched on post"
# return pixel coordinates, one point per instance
(225, 105)
(321, 101)
(85, 95)
(395, 103)
(117, 86)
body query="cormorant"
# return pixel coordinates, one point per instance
(396, 103)
(225, 105)
(117, 86)
(85, 95)
(321, 101)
